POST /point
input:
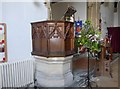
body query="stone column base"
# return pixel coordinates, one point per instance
(54, 71)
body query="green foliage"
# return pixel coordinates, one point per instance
(89, 37)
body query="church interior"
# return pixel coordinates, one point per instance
(50, 43)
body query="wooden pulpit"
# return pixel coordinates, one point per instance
(52, 38)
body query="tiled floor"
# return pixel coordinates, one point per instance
(101, 81)
(107, 81)
(80, 67)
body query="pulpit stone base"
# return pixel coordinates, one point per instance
(54, 71)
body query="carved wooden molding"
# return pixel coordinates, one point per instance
(39, 31)
(56, 32)
(69, 31)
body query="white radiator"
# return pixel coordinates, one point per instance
(17, 74)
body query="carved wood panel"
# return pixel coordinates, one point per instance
(53, 38)
(56, 30)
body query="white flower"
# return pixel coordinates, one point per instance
(96, 35)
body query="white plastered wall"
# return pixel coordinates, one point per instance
(18, 16)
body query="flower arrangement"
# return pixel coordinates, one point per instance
(89, 37)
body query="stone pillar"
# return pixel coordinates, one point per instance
(119, 14)
(53, 71)
(107, 14)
